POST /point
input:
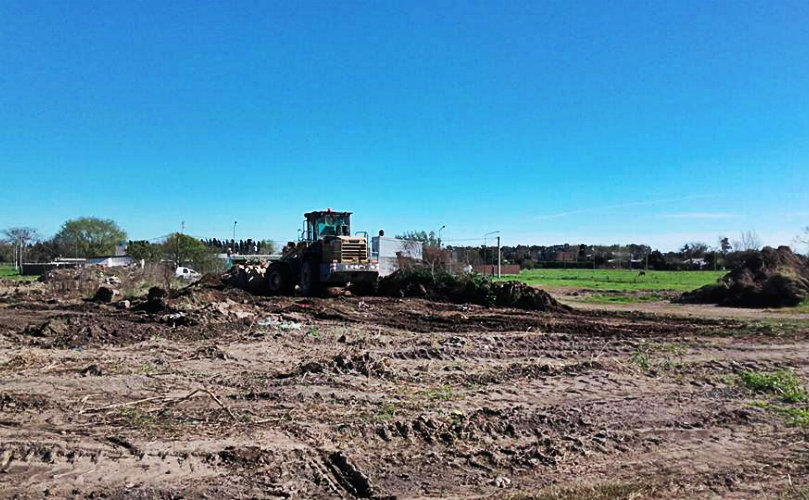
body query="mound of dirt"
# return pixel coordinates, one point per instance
(473, 289)
(248, 277)
(769, 278)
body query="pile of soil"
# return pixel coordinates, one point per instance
(769, 278)
(248, 277)
(472, 289)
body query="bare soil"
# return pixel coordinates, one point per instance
(221, 394)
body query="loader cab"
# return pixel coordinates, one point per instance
(326, 223)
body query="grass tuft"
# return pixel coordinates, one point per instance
(783, 383)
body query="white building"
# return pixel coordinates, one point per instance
(388, 252)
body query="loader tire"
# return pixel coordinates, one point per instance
(279, 280)
(310, 280)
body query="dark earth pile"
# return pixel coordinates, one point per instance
(248, 277)
(769, 278)
(473, 289)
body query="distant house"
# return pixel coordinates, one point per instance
(40, 268)
(112, 261)
(390, 253)
(695, 262)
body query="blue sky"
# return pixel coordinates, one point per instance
(659, 122)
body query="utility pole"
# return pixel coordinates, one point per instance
(498, 257)
(486, 253)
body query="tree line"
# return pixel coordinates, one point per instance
(726, 253)
(91, 237)
(81, 237)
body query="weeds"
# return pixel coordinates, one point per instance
(783, 383)
(148, 368)
(786, 386)
(387, 411)
(136, 417)
(664, 357)
(795, 416)
(641, 358)
(439, 393)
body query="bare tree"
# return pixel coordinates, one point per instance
(803, 239)
(20, 237)
(748, 240)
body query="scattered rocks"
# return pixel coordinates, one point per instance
(364, 364)
(113, 281)
(155, 301)
(51, 328)
(176, 319)
(105, 294)
(211, 351)
(502, 482)
(157, 293)
(92, 370)
(350, 477)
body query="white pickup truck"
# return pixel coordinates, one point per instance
(187, 273)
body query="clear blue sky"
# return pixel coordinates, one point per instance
(659, 122)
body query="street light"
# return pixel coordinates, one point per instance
(234, 229)
(439, 234)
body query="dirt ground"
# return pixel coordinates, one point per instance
(229, 395)
(667, 308)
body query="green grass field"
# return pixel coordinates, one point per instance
(620, 280)
(621, 299)
(7, 271)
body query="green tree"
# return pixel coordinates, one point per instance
(266, 247)
(144, 250)
(183, 250)
(657, 261)
(89, 237)
(429, 239)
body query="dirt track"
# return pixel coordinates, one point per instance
(371, 397)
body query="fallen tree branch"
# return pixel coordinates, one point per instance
(167, 400)
(222, 405)
(121, 405)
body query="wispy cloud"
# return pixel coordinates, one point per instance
(604, 208)
(701, 215)
(799, 213)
